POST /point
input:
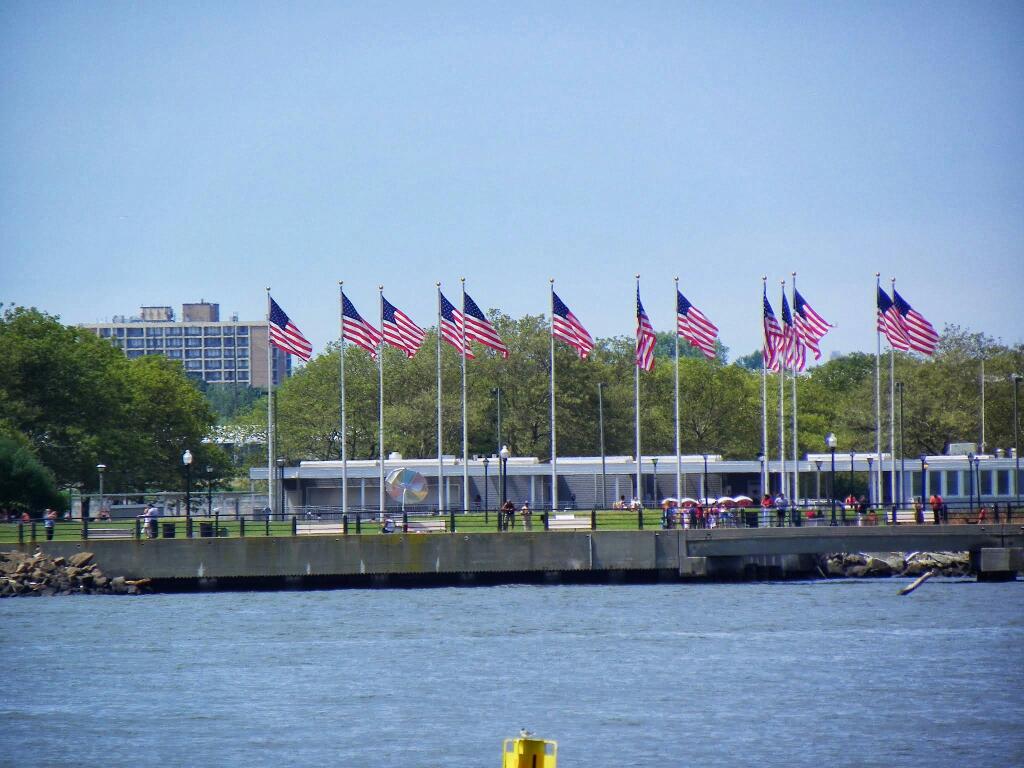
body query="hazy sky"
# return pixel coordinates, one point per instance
(160, 153)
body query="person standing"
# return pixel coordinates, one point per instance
(49, 522)
(780, 508)
(527, 516)
(508, 515)
(935, 502)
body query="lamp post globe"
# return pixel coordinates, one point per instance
(186, 459)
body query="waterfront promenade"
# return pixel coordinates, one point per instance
(408, 559)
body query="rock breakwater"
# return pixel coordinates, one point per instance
(885, 564)
(25, 575)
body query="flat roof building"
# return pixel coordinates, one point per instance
(211, 350)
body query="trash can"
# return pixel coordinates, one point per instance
(205, 530)
(168, 530)
(751, 516)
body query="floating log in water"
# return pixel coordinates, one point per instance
(917, 582)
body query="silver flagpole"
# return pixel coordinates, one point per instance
(554, 451)
(636, 408)
(796, 446)
(782, 412)
(440, 452)
(465, 433)
(878, 394)
(765, 488)
(892, 415)
(344, 433)
(380, 400)
(271, 448)
(679, 456)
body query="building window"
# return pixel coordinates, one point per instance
(212, 342)
(134, 332)
(229, 341)
(173, 331)
(132, 354)
(193, 330)
(229, 363)
(174, 354)
(1003, 482)
(119, 332)
(211, 330)
(214, 376)
(194, 365)
(105, 333)
(229, 376)
(173, 343)
(243, 365)
(953, 483)
(243, 352)
(212, 352)
(213, 365)
(985, 482)
(154, 331)
(154, 343)
(136, 343)
(193, 354)
(193, 342)
(242, 330)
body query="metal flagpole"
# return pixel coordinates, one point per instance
(271, 448)
(380, 400)
(892, 415)
(796, 445)
(554, 452)
(782, 410)
(440, 453)
(764, 399)
(679, 456)
(878, 393)
(465, 433)
(344, 433)
(636, 409)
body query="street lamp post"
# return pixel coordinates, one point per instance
(209, 491)
(853, 455)
(654, 461)
(760, 460)
(977, 478)
(830, 442)
(903, 466)
(504, 454)
(486, 495)
(817, 491)
(101, 468)
(280, 487)
(186, 459)
(1015, 378)
(871, 474)
(705, 488)
(600, 422)
(970, 480)
(924, 477)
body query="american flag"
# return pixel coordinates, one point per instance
(399, 331)
(693, 326)
(645, 338)
(451, 326)
(811, 326)
(357, 330)
(286, 336)
(795, 356)
(890, 324)
(565, 326)
(773, 339)
(479, 328)
(921, 334)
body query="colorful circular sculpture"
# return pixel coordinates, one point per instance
(406, 485)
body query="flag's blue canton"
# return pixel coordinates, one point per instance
(389, 310)
(884, 302)
(682, 305)
(559, 307)
(787, 318)
(447, 308)
(277, 315)
(473, 310)
(349, 309)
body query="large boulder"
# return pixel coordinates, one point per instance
(80, 559)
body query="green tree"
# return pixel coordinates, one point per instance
(25, 484)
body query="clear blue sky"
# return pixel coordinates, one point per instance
(158, 153)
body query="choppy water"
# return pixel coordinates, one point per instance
(839, 673)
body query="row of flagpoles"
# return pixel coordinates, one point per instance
(785, 348)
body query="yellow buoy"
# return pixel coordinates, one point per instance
(525, 751)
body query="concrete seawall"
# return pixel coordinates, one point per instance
(427, 559)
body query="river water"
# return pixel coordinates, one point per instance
(825, 673)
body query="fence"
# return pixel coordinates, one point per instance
(331, 521)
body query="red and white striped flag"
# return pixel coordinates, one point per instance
(399, 331)
(794, 354)
(451, 327)
(811, 326)
(479, 328)
(285, 335)
(357, 330)
(889, 323)
(921, 335)
(566, 326)
(773, 339)
(645, 338)
(692, 325)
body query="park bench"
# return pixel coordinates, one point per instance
(319, 529)
(568, 523)
(111, 533)
(421, 525)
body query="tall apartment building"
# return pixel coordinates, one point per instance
(216, 351)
